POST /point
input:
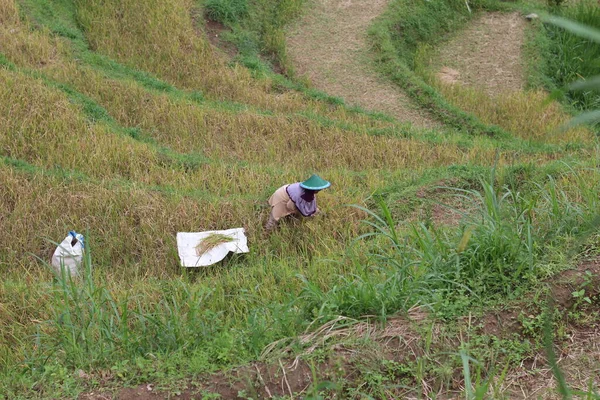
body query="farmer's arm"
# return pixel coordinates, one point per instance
(291, 207)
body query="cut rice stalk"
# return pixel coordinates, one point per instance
(211, 241)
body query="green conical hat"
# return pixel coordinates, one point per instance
(315, 182)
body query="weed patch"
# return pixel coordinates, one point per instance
(226, 11)
(493, 253)
(571, 57)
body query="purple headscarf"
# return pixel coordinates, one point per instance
(305, 200)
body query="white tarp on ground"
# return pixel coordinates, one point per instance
(187, 242)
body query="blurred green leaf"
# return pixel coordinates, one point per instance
(583, 119)
(574, 27)
(587, 84)
(556, 95)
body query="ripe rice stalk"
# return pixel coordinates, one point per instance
(211, 241)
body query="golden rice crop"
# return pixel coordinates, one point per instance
(39, 49)
(202, 165)
(8, 12)
(187, 127)
(159, 36)
(526, 114)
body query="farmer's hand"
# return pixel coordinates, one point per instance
(320, 213)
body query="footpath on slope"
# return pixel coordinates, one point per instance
(486, 55)
(329, 46)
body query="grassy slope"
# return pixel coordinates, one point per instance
(134, 134)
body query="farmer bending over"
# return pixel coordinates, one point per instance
(296, 198)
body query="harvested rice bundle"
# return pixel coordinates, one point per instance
(200, 249)
(211, 241)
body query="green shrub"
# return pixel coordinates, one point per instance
(226, 11)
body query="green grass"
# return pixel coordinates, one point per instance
(257, 30)
(422, 22)
(571, 57)
(226, 11)
(498, 250)
(93, 325)
(404, 39)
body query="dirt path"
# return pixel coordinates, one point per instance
(486, 55)
(329, 46)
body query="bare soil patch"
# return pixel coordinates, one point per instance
(442, 205)
(561, 287)
(329, 46)
(487, 55)
(214, 32)
(578, 359)
(578, 353)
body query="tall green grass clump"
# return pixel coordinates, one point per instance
(257, 28)
(90, 327)
(497, 250)
(226, 11)
(573, 57)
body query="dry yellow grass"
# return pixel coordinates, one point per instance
(158, 36)
(46, 129)
(250, 155)
(38, 49)
(184, 126)
(527, 115)
(9, 14)
(49, 130)
(132, 229)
